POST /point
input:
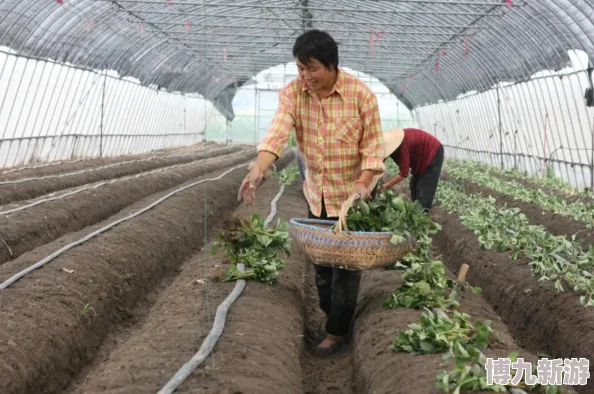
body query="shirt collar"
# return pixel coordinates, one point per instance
(338, 86)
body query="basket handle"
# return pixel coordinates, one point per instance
(343, 212)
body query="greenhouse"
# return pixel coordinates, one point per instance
(296, 196)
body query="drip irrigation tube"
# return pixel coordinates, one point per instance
(57, 253)
(94, 169)
(219, 322)
(82, 189)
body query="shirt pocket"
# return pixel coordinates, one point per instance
(348, 130)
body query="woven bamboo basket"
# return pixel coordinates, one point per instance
(341, 248)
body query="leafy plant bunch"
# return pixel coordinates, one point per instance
(469, 373)
(436, 333)
(389, 212)
(463, 343)
(288, 175)
(425, 285)
(256, 245)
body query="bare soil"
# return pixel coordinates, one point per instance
(47, 335)
(264, 347)
(378, 370)
(25, 230)
(257, 350)
(30, 189)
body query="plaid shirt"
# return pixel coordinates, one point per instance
(339, 137)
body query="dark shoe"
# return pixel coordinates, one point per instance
(326, 351)
(316, 334)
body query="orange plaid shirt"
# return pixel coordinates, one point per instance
(339, 137)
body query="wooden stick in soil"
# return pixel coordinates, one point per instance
(463, 272)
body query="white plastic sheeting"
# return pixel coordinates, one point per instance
(50, 111)
(544, 122)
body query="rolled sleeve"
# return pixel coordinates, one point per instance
(371, 146)
(282, 124)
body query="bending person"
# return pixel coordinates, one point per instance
(419, 153)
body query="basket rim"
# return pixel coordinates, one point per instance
(308, 223)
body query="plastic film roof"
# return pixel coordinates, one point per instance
(423, 50)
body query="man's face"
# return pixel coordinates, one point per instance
(315, 75)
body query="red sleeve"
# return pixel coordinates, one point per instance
(404, 160)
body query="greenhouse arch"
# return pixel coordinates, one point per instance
(148, 246)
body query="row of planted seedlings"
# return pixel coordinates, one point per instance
(558, 258)
(441, 328)
(579, 210)
(548, 181)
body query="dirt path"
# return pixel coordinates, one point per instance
(334, 374)
(47, 333)
(256, 351)
(150, 284)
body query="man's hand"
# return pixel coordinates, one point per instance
(247, 190)
(250, 183)
(362, 191)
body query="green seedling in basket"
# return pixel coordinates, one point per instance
(389, 212)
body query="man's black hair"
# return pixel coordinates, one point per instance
(318, 45)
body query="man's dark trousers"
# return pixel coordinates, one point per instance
(338, 290)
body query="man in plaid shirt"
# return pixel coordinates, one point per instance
(338, 130)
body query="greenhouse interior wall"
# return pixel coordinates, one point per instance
(531, 126)
(52, 111)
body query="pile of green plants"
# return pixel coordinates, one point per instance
(436, 332)
(425, 285)
(262, 249)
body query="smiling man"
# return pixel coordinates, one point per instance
(338, 131)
